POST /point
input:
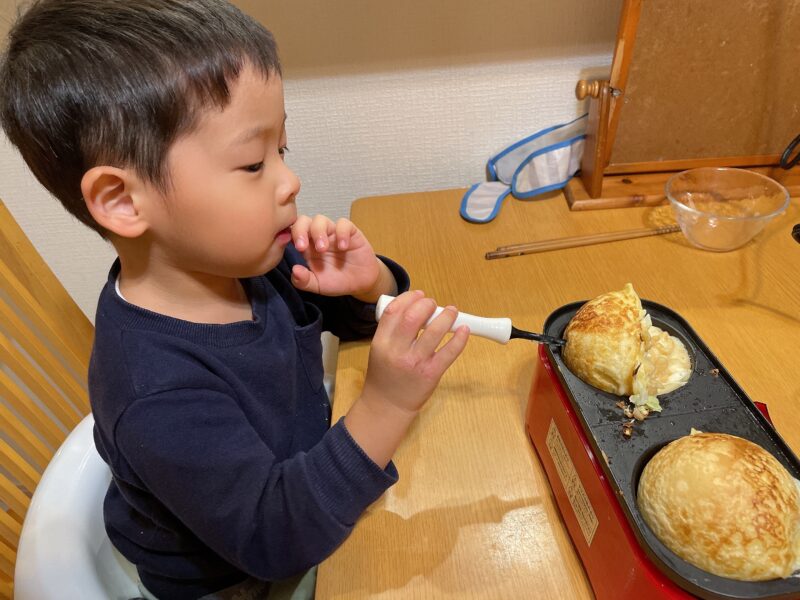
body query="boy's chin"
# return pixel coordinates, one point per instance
(253, 267)
(263, 266)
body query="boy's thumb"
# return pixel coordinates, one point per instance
(303, 279)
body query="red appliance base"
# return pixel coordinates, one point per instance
(617, 567)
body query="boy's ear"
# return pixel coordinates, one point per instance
(109, 193)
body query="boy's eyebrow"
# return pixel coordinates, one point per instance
(254, 132)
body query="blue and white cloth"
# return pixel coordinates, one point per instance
(539, 163)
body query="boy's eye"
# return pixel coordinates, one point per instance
(283, 150)
(254, 168)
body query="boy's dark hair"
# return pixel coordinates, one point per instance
(90, 82)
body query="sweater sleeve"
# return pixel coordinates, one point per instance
(196, 452)
(344, 316)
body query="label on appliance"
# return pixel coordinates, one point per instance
(581, 506)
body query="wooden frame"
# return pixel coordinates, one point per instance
(679, 67)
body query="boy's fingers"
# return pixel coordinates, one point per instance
(449, 352)
(300, 232)
(344, 231)
(321, 227)
(434, 333)
(303, 279)
(414, 318)
(394, 314)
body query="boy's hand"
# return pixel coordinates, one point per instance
(404, 364)
(404, 368)
(340, 260)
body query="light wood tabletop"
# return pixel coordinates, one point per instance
(473, 515)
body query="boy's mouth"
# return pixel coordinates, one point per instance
(284, 236)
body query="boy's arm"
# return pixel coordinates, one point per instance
(405, 365)
(195, 451)
(404, 368)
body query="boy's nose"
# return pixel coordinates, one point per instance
(289, 185)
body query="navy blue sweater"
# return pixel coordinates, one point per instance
(219, 440)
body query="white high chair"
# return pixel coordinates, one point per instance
(64, 551)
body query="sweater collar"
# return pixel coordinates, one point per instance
(130, 316)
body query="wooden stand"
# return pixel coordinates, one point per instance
(715, 99)
(593, 158)
(647, 189)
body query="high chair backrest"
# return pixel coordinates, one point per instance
(45, 343)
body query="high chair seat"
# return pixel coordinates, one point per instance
(64, 552)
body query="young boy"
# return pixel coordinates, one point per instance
(160, 124)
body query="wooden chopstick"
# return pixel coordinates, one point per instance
(573, 242)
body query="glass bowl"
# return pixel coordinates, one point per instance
(722, 209)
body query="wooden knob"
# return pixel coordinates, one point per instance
(587, 88)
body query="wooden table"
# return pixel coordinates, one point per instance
(473, 515)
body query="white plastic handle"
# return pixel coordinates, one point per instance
(495, 329)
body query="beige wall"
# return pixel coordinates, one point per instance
(6, 13)
(332, 38)
(382, 97)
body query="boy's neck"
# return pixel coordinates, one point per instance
(189, 296)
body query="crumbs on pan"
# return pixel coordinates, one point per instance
(633, 414)
(627, 428)
(633, 411)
